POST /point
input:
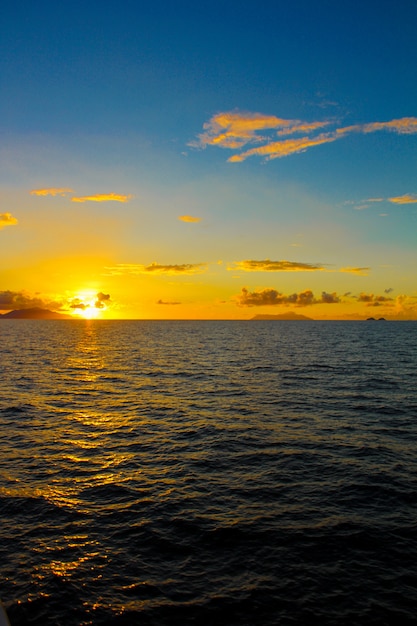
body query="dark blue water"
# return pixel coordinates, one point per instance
(208, 473)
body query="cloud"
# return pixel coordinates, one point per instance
(7, 219)
(51, 191)
(189, 218)
(405, 308)
(78, 304)
(272, 297)
(232, 129)
(275, 266)
(360, 271)
(17, 300)
(156, 268)
(403, 126)
(372, 300)
(278, 149)
(407, 198)
(102, 300)
(102, 197)
(235, 130)
(168, 303)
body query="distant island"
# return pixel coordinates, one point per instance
(290, 316)
(35, 314)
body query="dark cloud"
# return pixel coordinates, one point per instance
(371, 300)
(102, 299)
(16, 300)
(78, 304)
(272, 297)
(169, 303)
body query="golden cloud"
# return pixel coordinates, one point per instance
(156, 268)
(360, 271)
(272, 297)
(167, 303)
(407, 198)
(102, 197)
(189, 218)
(51, 191)
(234, 129)
(278, 149)
(7, 219)
(275, 266)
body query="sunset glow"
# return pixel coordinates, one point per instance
(219, 185)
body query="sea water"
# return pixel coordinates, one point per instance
(208, 473)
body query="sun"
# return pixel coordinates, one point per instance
(87, 304)
(90, 312)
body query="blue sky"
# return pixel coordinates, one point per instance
(287, 131)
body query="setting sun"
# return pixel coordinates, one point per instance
(89, 304)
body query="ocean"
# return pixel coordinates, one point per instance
(208, 473)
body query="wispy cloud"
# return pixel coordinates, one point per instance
(7, 219)
(189, 218)
(156, 268)
(275, 266)
(235, 130)
(360, 205)
(102, 197)
(272, 297)
(167, 303)
(278, 149)
(360, 271)
(407, 198)
(51, 191)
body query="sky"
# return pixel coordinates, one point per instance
(209, 160)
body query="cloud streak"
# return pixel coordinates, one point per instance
(275, 266)
(51, 191)
(102, 197)
(359, 271)
(407, 198)
(156, 268)
(235, 130)
(189, 218)
(7, 219)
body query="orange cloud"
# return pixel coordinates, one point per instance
(233, 130)
(168, 303)
(102, 197)
(272, 297)
(275, 266)
(189, 218)
(407, 198)
(278, 149)
(7, 219)
(51, 191)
